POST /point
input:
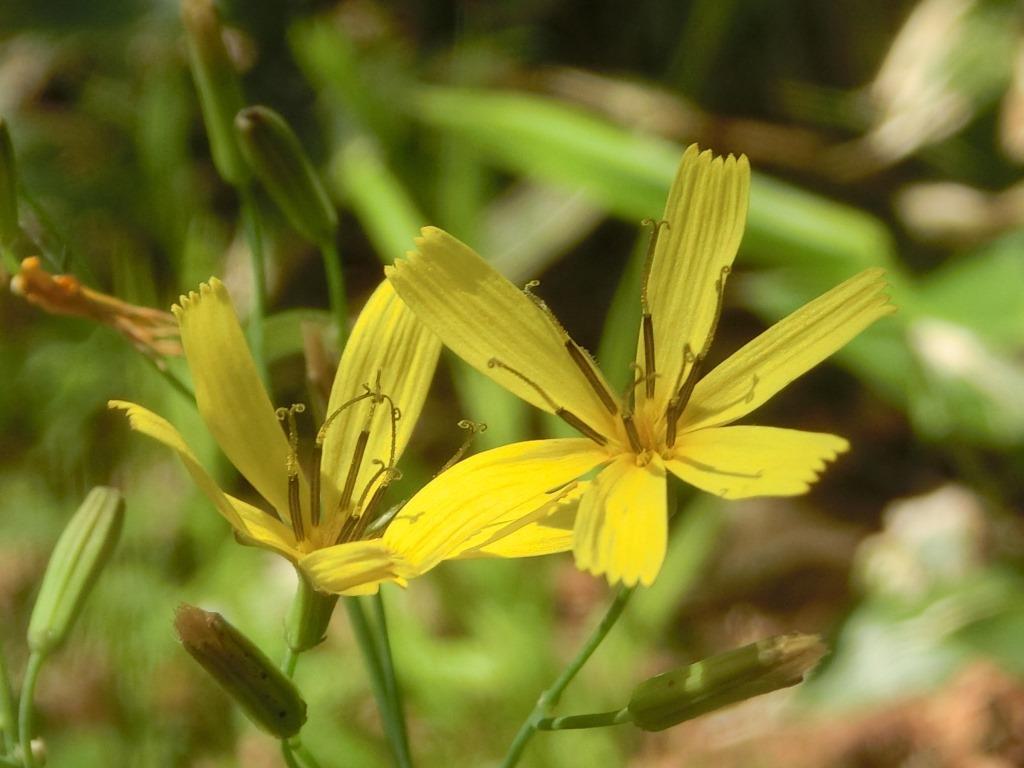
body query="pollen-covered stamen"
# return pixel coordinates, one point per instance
(565, 415)
(692, 365)
(647, 321)
(287, 417)
(474, 428)
(357, 457)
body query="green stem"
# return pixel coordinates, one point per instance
(253, 234)
(336, 289)
(591, 720)
(305, 755)
(551, 695)
(291, 658)
(8, 719)
(368, 646)
(172, 378)
(287, 752)
(387, 664)
(28, 691)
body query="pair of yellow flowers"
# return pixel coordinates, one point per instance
(514, 501)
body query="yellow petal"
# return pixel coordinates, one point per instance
(550, 534)
(739, 462)
(486, 494)
(249, 521)
(262, 530)
(389, 340)
(787, 350)
(230, 396)
(706, 212)
(622, 523)
(484, 318)
(355, 568)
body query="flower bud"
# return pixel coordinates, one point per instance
(277, 158)
(81, 552)
(8, 188)
(263, 692)
(715, 682)
(220, 92)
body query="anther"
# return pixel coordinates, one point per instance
(567, 416)
(586, 364)
(287, 416)
(684, 387)
(646, 319)
(631, 433)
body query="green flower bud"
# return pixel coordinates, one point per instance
(81, 552)
(263, 692)
(277, 157)
(220, 92)
(716, 682)
(8, 188)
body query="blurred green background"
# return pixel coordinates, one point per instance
(542, 132)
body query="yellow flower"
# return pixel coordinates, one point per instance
(323, 525)
(672, 419)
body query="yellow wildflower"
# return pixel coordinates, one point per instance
(672, 419)
(330, 523)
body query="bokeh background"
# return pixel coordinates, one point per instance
(542, 132)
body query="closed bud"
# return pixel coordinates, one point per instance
(264, 693)
(81, 552)
(730, 677)
(276, 156)
(220, 92)
(8, 188)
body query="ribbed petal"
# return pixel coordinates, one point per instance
(489, 493)
(739, 462)
(622, 523)
(230, 396)
(706, 212)
(262, 530)
(484, 317)
(389, 340)
(550, 534)
(787, 350)
(355, 568)
(249, 521)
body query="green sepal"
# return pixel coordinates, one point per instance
(724, 679)
(280, 163)
(309, 616)
(265, 694)
(82, 550)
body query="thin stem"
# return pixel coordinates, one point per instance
(287, 752)
(305, 755)
(387, 664)
(28, 691)
(174, 380)
(8, 718)
(336, 289)
(591, 720)
(253, 234)
(551, 695)
(368, 646)
(291, 658)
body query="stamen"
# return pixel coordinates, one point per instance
(567, 416)
(577, 423)
(684, 387)
(647, 320)
(543, 306)
(586, 364)
(632, 434)
(287, 417)
(474, 428)
(496, 363)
